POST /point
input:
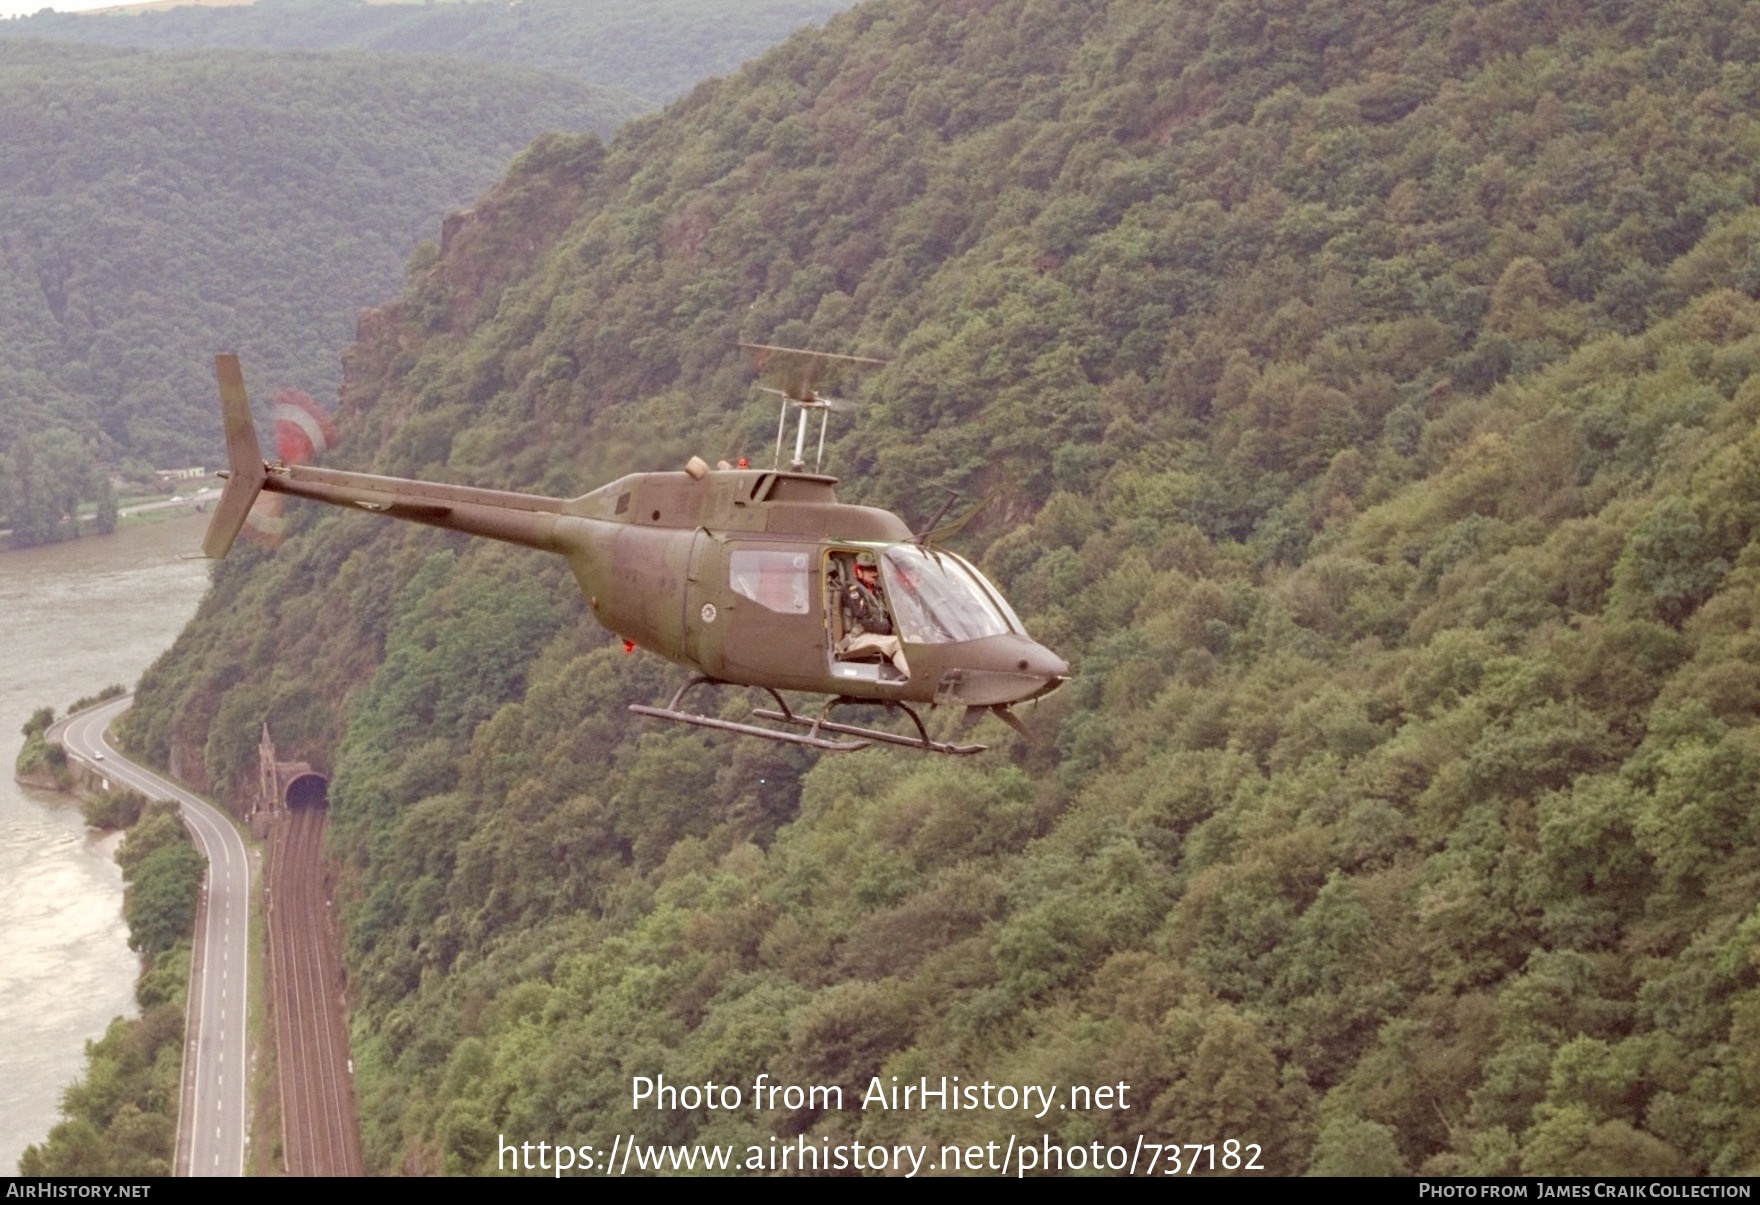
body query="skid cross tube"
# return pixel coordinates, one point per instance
(921, 741)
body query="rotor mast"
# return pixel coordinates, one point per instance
(796, 371)
(799, 462)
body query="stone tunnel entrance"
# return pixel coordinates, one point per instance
(309, 791)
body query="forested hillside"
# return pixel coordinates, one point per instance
(155, 208)
(652, 49)
(1370, 392)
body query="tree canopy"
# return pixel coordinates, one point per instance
(652, 49)
(162, 206)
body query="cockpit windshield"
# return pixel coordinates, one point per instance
(939, 599)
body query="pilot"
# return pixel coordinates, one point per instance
(867, 628)
(862, 607)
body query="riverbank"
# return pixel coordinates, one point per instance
(120, 1119)
(81, 616)
(152, 510)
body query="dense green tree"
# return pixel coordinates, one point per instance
(653, 49)
(166, 205)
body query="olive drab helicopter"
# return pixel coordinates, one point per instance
(745, 577)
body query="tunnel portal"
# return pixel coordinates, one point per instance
(309, 791)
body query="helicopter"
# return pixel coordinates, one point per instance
(746, 577)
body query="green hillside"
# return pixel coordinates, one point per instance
(158, 207)
(1369, 392)
(653, 49)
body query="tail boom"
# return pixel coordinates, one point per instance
(527, 519)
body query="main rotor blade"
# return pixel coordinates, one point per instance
(797, 370)
(765, 350)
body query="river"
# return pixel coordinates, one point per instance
(74, 618)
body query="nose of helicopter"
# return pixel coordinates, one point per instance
(1000, 670)
(1045, 665)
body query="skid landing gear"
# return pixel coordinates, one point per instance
(782, 713)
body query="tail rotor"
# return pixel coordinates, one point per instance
(302, 432)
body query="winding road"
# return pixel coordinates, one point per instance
(212, 1121)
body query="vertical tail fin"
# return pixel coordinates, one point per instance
(246, 476)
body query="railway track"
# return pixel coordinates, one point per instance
(321, 1134)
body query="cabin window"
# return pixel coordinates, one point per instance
(776, 581)
(939, 599)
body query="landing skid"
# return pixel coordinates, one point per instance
(921, 741)
(811, 738)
